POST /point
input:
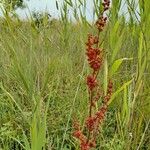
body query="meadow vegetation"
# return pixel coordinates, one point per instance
(42, 79)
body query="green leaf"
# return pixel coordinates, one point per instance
(69, 2)
(27, 144)
(119, 90)
(80, 2)
(57, 5)
(117, 64)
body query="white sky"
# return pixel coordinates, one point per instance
(50, 6)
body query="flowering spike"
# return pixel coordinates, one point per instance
(95, 60)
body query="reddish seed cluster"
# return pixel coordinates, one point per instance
(106, 4)
(96, 97)
(79, 135)
(92, 40)
(85, 143)
(94, 55)
(95, 60)
(93, 122)
(90, 123)
(101, 22)
(91, 82)
(109, 92)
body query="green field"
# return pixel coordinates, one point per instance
(43, 69)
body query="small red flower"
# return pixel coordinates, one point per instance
(91, 82)
(80, 136)
(92, 143)
(101, 113)
(90, 123)
(92, 40)
(77, 134)
(92, 54)
(85, 146)
(106, 4)
(109, 92)
(96, 64)
(101, 22)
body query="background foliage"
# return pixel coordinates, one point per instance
(42, 78)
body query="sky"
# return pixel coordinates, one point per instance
(50, 6)
(39, 5)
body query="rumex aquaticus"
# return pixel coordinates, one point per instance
(95, 58)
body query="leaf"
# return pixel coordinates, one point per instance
(26, 142)
(57, 5)
(80, 2)
(116, 65)
(69, 2)
(119, 90)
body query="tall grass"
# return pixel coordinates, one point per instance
(42, 71)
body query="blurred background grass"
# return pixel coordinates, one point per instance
(42, 78)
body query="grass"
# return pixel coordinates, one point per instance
(42, 81)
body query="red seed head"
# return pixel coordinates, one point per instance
(90, 123)
(91, 82)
